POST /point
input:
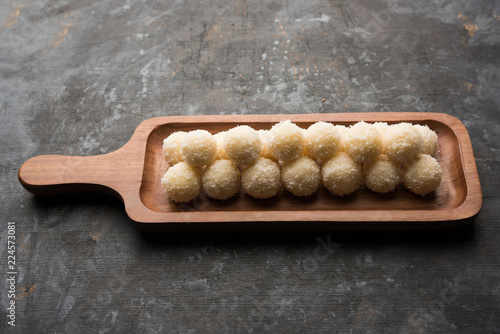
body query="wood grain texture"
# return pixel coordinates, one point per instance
(134, 173)
(78, 77)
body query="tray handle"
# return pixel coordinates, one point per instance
(48, 175)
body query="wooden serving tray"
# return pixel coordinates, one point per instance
(133, 173)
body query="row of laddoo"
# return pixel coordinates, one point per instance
(339, 157)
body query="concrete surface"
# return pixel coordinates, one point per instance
(77, 77)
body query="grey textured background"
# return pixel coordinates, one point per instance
(77, 78)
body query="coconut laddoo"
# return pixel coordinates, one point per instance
(199, 148)
(182, 182)
(322, 140)
(430, 139)
(172, 147)
(242, 144)
(342, 129)
(403, 142)
(301, 176)
(221, 153)
(341, 175)
(264, 137)
(261, 179)
(286, 141)
(363, 142)
(423, 175)
(381, 127)
(221, 179)
(382, 175)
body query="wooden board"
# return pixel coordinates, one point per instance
(134, 171)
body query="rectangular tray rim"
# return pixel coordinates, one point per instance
(466, 210)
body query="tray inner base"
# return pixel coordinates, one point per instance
(451, 193)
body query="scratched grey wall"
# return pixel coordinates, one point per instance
(77, 77)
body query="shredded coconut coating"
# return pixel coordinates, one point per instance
(221, 153)
(341, 175)
(172, 147)
(242, 144)
(262, 179)
(382, 175)
(342, 129)
(381, 127)
(286, 141)
(363, 142)
(221, 179)
(339, 157)
(322, 141)
(423, 175)
(182, 182)
(403, 142)
(430, 139)
(199, 148)
(265, 153)
(301, 176)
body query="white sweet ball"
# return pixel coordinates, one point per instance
(322, 141)
(403, 142)
(363, 142)
(261, 179)
(430, 139)
(342, 130)
(301, 176)
(198, 148)
(221, 179)
(286, 141)
(423, 175)
(182, 182)
(221, 153)
(242, 144)
(265, 153)
(381, 127)
(172, 147)
(382, 175)
(341, 175)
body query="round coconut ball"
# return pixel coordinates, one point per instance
(381, 127)
(403, 142)
(219, 138)
(423, 175)
(199, 148)
(221, 179)
(265, 153)
(342, 130)
(261, 179)
(430, 139)
(242, 144)
(363, 142)
(172, 147)
(286, 141)
(301, 176)
(341, 175)
(382, 175)
(322, 140)
(182, 182)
